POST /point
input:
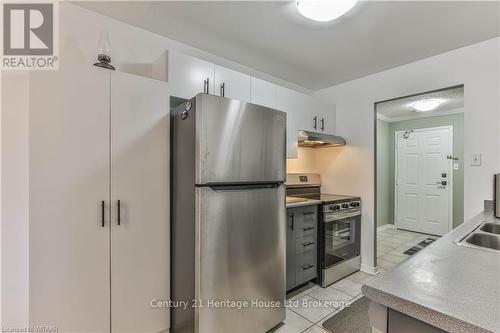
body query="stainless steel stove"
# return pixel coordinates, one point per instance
(339, 229)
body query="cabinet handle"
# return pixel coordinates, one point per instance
(307, 228)
(315, 122)
(222, 89)
(307, 267)
(119, 211)
(322, 124)
(102, 213)
(292, 225)
(309, 213)
(307, 244)
(206, 85)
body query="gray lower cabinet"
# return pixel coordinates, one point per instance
(387, 320)
(301, 245)
(399, 322)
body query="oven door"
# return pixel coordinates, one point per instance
(341, 239)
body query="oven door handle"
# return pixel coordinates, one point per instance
(340, 218)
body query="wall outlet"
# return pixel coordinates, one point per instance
(456, 166)
(476, 159)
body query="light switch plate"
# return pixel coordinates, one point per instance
(476, 159)
(455, 166)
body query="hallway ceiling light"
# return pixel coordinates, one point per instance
(426, 105)
(324, 11)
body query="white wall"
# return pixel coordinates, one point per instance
(304, 163)
(133, 50)
(351, 170)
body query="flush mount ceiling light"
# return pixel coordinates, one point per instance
(324, 11)
(426, 105)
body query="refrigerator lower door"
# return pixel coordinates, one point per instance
(238, 142)
(240, 259)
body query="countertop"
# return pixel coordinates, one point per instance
(290, 203)
(448, 286)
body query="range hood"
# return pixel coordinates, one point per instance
(318, 140)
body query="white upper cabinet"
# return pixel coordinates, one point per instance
(327, 120)
(263, 93)
(189, 76)
(296, 106)
(323, 116)
(231, 84)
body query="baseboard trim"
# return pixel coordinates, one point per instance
(386, 226)
(369, 269)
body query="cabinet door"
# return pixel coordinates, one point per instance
(69, 178)
(140, 256)
(186, 75)
(263, 93)
(326, 116)
(232, 84)
(290, 250)
(296, 105)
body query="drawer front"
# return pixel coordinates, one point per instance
(305, 244)
(307, 222)
(310, 214)
(306, 268)
(306, 229)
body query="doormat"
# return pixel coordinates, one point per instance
(419, 246)
(352, 319)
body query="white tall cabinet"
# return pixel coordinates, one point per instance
(97, 137)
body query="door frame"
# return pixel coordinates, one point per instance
(450, 172)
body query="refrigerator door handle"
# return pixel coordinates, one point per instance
(237, 187)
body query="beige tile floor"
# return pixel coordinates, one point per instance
(310, 306)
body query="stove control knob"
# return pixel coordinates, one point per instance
(345, 205)
(352, 204)
(357, 204)
(337, 207)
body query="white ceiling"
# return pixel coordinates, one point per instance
(272, 37)
(452, 101)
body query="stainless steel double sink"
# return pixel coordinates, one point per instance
(485, 236)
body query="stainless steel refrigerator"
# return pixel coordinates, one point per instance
(228, 216)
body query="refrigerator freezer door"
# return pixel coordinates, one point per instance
(240, 257)
(238, 142)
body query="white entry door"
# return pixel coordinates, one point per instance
(423, 180)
